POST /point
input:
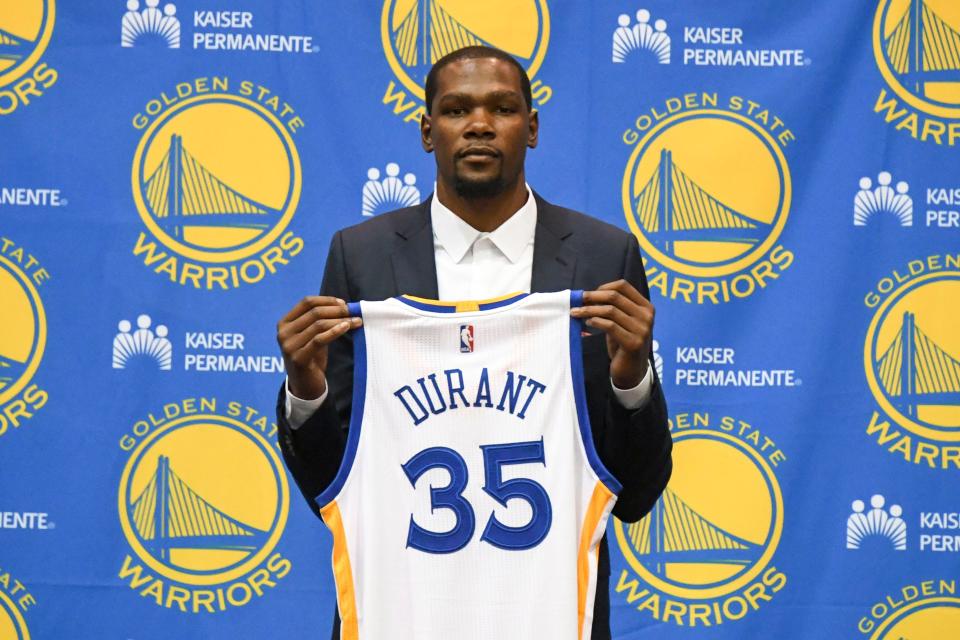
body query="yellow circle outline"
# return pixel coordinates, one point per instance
(898, 615)
(891, 79)
(17, 617)
(16, 71)
(415, 88)
(735, 584)
(191, 578)
(218, 256)
(750, 257)
(40, 339)
(878, 395)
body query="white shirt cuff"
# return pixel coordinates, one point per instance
(632, 399)
(299, 410)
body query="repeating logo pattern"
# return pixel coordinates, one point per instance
(916, 44)
(711, 537)
(417, 33)
(873, 204)
(150, 25)
(707, 191)
(927, 610)
(912, 361)
(203, 502)
(217, 201)
(24, 336)
(25, 31)
(876, 522)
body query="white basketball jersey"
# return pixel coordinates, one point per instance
(470, 502)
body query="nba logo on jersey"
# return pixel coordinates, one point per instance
(466, 338)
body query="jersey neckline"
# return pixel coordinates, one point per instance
(461, 306)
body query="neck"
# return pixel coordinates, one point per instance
(484, 214)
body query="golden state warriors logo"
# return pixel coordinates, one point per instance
(703, 555)
(911, 357)
(23, 337)
(216, 181)
(417, 33)
(25, 30)
(916, 44)
(929, 610)
(203, 502)
(15, 601)
(707, 192)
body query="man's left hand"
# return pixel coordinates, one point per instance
(621, 312)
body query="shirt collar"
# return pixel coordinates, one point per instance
(456, 236)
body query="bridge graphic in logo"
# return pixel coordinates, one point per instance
(921, 47)
(673, 532)
(10, 371)
(12, 48)
(181, 192)
(417, 33)
(671, 207)
(168, 514)
(915, 371)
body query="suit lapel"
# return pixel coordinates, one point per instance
(554, 263)
(414, 266)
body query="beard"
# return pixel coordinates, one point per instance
(486, 187)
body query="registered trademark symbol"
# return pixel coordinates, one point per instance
(807, 62)
(316, 49)
(798, 383)
(51, 525)
(64, 203)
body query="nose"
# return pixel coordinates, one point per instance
(480, 126)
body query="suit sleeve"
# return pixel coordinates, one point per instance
(636, 445)
(314, 451)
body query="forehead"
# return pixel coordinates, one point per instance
(478, 76)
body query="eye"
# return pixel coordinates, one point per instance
(504, 108)
(454, 111)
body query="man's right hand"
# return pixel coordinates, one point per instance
(304, 335)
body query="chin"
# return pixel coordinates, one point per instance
(479, 187)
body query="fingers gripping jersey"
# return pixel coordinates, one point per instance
(470, 502)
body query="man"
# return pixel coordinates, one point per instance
(483, 234)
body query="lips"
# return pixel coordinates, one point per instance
(479, 151)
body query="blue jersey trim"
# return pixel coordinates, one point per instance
(439, 306)
(356, 412)
(580, 395)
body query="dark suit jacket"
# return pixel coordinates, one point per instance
(393, 254)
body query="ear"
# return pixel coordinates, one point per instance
(534, 134)
(426, 133)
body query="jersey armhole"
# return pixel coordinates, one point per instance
(580, 396)
(356, 412)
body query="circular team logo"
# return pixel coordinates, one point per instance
(912, 353)
(417, 33)
(25, 30)
(24, 332)
(928, 610)
(216, 178)
(916, 44)
(12, 624)
(713, 533)
(203, 501)
(707, 192)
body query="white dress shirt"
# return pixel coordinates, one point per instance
(475, 265)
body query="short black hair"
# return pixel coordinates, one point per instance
(469, 53)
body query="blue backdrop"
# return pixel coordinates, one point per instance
(170, 176)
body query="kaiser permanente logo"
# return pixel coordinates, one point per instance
(23, 337)
(879, 526)
(146, 23)
(707, 191)
(26, 27)
(719, 366)
(704, 555)
(203, 502)
(202, 351)
(15, 602)
(881, 204)
(417, 33)
(216, 182)
(911, 358)
(382, 193)
(649, 39)
(924, 610)
(916, 44)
